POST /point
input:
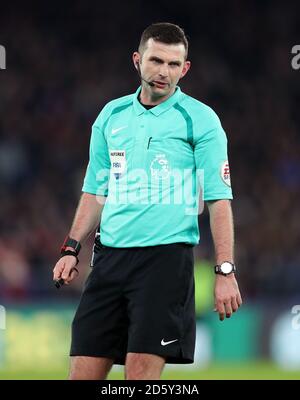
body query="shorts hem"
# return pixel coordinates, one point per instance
(178, 357)
(120, 360)
(96, 354)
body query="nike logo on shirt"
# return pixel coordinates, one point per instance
(113, 131)
(163, 343)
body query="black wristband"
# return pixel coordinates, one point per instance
(69, 242)
(69, 253)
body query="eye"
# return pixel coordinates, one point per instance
(156, 60)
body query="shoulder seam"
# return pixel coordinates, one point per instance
(115, 110)
(189, 123)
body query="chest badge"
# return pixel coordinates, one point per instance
(160, 167)
(118, 162)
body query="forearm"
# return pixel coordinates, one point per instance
(221, 225)
(87, 216)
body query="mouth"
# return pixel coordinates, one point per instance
(160, 84)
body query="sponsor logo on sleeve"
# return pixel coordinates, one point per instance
(225, 173)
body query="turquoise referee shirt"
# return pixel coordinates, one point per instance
(156, 167)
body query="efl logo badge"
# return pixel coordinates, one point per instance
(225, 173)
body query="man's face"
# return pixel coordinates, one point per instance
(163, 64)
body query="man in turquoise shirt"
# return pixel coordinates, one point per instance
(154, 156)
(181, 132)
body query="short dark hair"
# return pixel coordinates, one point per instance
(164, 32)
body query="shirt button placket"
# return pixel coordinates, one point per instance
(140, 144)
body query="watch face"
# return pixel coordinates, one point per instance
(226, 267)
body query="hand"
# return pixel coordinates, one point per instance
(65, 269)
(227, 295)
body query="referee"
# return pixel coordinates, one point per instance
(150, 152)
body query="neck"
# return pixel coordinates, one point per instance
(153, 99)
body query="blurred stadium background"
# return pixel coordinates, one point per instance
(64, 62)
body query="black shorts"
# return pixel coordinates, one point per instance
(138, 299)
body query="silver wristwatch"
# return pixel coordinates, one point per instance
(225, 268)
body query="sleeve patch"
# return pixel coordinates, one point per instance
(225, 173)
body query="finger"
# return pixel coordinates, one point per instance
(234, 304)
(239, 299)
(73, 274)
(57, 271)
(221, 310)
(66, 272)
(69, 263)
(228, 309)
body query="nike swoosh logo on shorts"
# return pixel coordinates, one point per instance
(113, 131)
(163, 343)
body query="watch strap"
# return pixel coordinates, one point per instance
(218, 269)
(70, 242)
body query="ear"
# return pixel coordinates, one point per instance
(187, 66)
(136, 59)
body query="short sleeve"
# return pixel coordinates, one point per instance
(97, 172)
(211, 159)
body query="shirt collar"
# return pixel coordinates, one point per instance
(160, 108)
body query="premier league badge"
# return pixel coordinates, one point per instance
(160, 167)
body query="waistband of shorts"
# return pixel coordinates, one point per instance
(188, 245)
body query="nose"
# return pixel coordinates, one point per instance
(163, 71)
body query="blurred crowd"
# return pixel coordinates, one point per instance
(64, 65)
